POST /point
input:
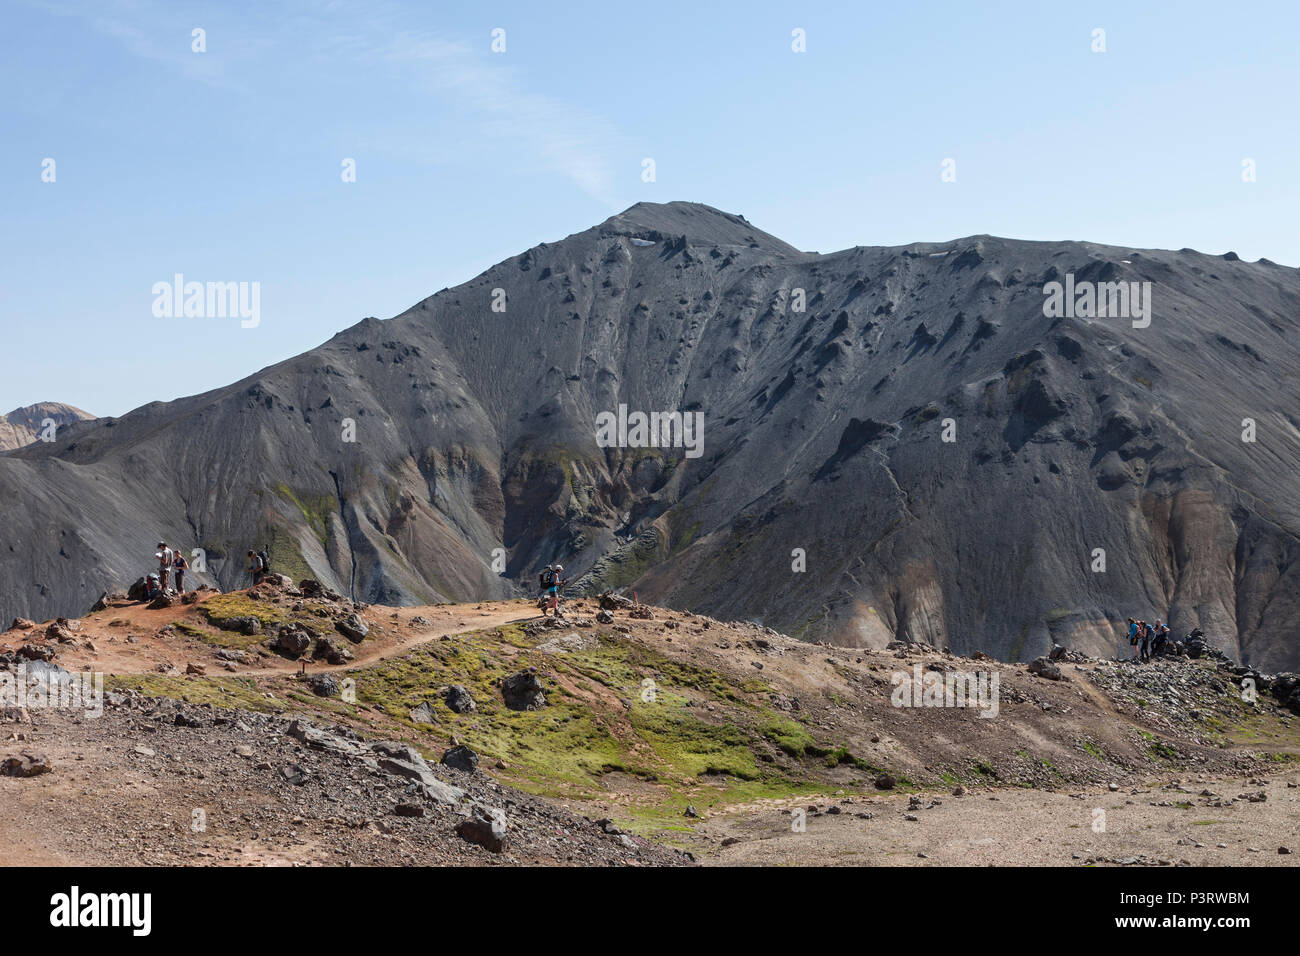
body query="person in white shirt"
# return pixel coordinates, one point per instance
(165, 558)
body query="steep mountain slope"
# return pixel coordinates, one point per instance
(823, 442)
(24, 425)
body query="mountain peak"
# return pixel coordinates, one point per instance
(23, 425)
(698, 222)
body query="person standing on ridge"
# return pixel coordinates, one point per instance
(255, 567)
(180, 566)
(1148, 632)
(1133, 636)
(553, 590)
(165, 557)
(543, 582)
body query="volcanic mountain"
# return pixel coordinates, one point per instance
(25, 425)
(905, 441)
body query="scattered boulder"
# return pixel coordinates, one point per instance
(886, 782)
(422, 713)
(244, 624)
(331, 651)
(459, 699)
(193, 668)
(642, 612)
(295, 774)
(60, 631)
(523, 691)
(22, 624)
(293, 640)
(460, 758)
(1045, 668)
(101, 604)
(485, 827)
(402, 760)
(26, 764)
(353, 628)
(323, 685)
(609, 601)
(605, 617)
(36, 652)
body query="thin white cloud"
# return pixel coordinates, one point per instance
(493, 96)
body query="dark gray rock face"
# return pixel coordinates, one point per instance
(898, 443)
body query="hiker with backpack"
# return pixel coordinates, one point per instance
(1161, 638)
(180, 566)
(165, 556)
(1148, 635)
(551, 583)
(1133, 636)
(256, 567)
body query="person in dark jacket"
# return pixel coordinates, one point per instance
(180, 566)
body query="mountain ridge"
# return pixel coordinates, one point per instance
(475, 433)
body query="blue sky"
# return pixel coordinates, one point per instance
(225, 165)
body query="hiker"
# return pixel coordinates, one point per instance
(543, 582)
(151, 589)
(1148, 632)
(1158, 644)
(180, 566)
(552, 582)
(255, 567)
(165, 556)
(1133, 636)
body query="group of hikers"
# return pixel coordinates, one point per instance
(172, 563)
(1147, 639)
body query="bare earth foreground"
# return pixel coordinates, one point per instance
(646, 737)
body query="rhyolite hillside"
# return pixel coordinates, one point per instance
(822, 447)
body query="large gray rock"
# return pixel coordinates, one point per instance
(459, 699)
(404, 761)
(523, 691)
(460, 758)
(353, 628)
(1044, 668)
(485, 826)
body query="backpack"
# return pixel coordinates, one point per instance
(265, 559)
(546, 578)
